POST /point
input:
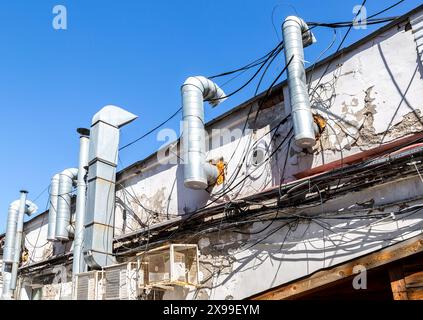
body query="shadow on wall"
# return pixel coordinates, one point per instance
(303, 246)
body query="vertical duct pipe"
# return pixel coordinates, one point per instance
(13, 242)
(67, 179)
(197, 173)
(296, 36)
(9, 241)
(78, 264)
(18, 239)
(52, 211)
(100, 210)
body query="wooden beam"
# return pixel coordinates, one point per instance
(398, 286)
(329, 276)
(361, 156)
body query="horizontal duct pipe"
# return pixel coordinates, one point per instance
(197, 173)
(296, 36)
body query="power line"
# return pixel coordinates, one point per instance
(340, 46)
(152, 130)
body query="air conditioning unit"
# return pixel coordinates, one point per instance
(89, 286)
(65, 291)
(121, 281)
(174, 264)
(50, 292)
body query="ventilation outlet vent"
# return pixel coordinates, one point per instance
(120, 282)
(89, 286)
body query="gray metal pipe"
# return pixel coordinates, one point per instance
(52, 211)
(296, 36)
(25, 207)
(67, 180)
(197, 173)
(18, 239)
(9, 242)
(78, 264)
(13, 242)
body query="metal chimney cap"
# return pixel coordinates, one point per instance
(83, 132)
(24, 191)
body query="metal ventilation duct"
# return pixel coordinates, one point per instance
(78, 264)
(100, 211)
(13, 242)
(67, 179)
(296, 36)
(52, 211)
(197, 173)
(12, 225)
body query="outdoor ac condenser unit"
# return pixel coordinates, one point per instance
(57, 291)
(121, 281)
(89, 286)
(174, 264)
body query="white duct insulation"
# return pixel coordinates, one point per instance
(13, 242)
(198, 174)
(67, 179)
(296, 36)
(100, 209)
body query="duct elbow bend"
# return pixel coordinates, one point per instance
(293, 22)
(210, 91)
(11, 228)
(197, 173)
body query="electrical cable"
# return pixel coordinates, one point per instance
(152, 130)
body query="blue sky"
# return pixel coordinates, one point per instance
(134, 54)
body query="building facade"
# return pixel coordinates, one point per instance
(284, 222)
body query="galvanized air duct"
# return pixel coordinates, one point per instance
(296, 36)
(100, 210)
(197, 173)
(11, 229)
(67, 179)
(13, 242)
(52, 211)
(78, 264)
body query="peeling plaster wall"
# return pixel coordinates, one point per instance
(375, 87)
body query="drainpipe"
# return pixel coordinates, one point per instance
(67, 180)
(198, 174)
(52, 211)
(78, 264)
(13, 242)
(296, 36)
(100, 211)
